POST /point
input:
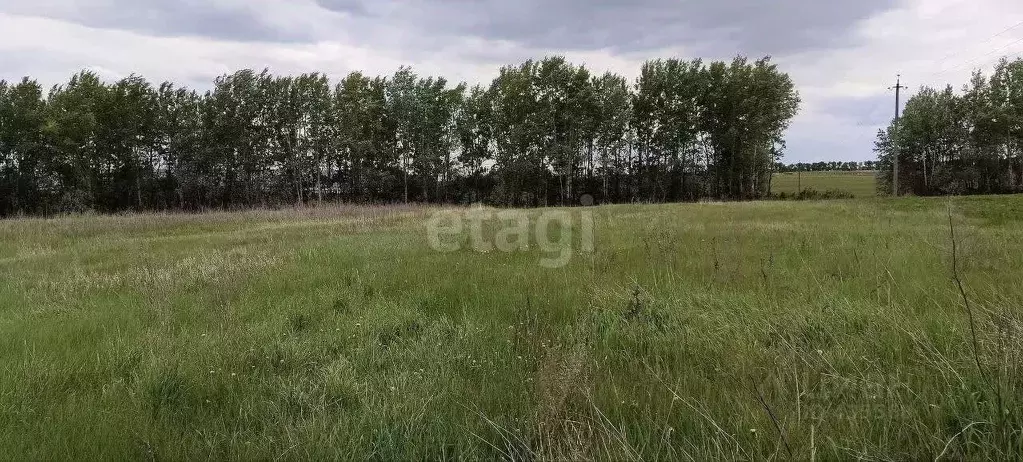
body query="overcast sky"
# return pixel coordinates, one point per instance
(842, 54)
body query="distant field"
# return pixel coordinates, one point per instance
(823, 330)
(859, 184)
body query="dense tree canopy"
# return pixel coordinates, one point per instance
(542, 133)
(959, 143)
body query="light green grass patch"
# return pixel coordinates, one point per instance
(338, 333)
(858, 184)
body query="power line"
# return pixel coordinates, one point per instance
(899, 87)
(996, 50)
(999, 34)
(895, 160)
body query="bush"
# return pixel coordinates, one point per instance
(811, 194)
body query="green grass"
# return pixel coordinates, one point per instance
(337, 333)
(858, 184)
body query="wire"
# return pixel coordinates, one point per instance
(1003, 32)
(996, 50)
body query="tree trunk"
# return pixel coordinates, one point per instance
(406, 183)
(319, 181)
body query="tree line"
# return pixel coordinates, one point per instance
(542, 133)
(966, 142)
(833, 166)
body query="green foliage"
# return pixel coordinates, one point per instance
(810, 194)
(949, 143)
(832, 166)
(542, 133)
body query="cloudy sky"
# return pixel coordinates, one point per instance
(843, 54)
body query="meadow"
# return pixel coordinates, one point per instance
(857, 183)
(824, 330)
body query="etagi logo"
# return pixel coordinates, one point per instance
(486, 230)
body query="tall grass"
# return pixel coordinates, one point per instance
(809, 330)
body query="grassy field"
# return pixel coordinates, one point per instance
(784, 330)
(859, 184)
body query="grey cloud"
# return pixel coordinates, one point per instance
(844, 147)
(871, 111)
(54, 67)
(52, 70)
(811, 141)
(754, 26)
(165, 18)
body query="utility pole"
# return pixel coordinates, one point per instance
(895, 155)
